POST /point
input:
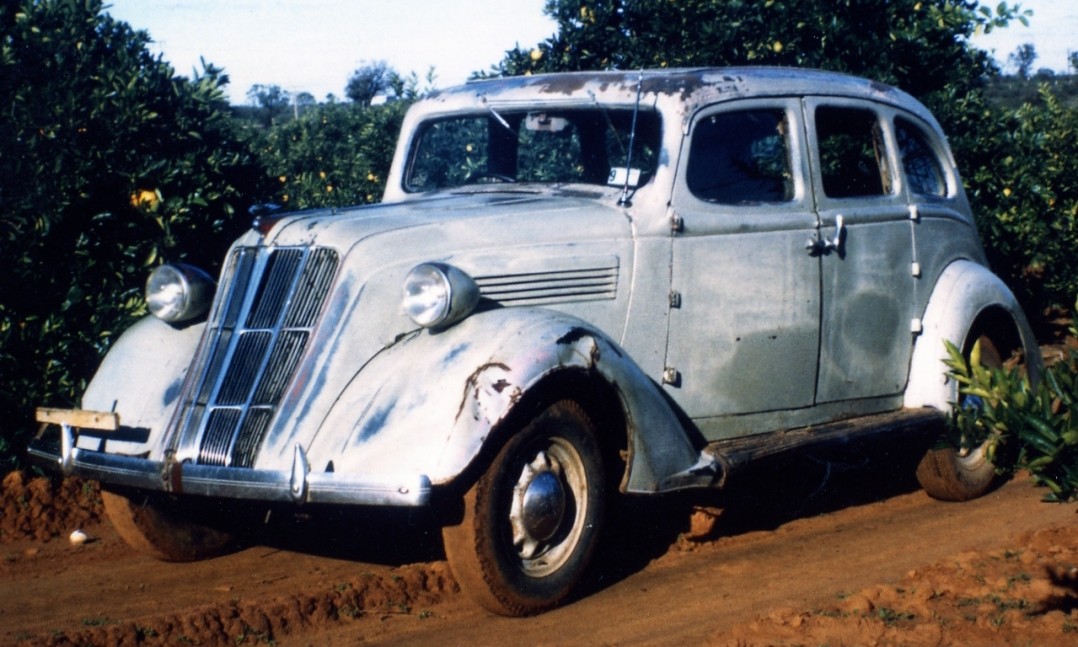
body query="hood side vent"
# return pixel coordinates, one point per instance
(597, 282)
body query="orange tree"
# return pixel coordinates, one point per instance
(919, 45)
(109, 164)
(1026, 190)
(333, 155)
(338, 154)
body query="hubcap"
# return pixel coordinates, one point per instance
(549, 502)
(544, 506)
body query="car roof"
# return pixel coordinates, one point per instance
(693, 87)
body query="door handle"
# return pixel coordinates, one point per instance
(818, 246)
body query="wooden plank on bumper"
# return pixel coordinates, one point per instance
(80, 418)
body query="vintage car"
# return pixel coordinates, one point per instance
(578, 286)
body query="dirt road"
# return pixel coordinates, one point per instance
(838, 535)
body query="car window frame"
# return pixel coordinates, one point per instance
(884, 120)
(518, 114)
(941, 152)
(799, 169)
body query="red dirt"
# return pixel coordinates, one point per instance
(41, 508)
(895, 569)
(1027, 594)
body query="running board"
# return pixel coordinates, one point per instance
(735, 453)
(720, 458)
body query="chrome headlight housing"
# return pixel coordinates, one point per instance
(438, 295)
(177, 292)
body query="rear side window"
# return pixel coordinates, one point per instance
(853, 159)
(741, 157)
(923, 169)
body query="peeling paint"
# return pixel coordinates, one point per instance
(574, 335)
(375, 423)
(172, 392)
(455, 352)
(471, 385)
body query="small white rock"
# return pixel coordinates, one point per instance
(78, 538)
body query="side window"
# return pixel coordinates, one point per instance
(924, 171)
(741, 158)
(853, 159)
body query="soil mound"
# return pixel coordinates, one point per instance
(41, 508)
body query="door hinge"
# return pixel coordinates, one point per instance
(675, 299)
(671, 376)
(677, 224)
(916, 327)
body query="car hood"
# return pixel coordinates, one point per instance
(344, 228)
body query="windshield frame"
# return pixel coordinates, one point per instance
(601, 136)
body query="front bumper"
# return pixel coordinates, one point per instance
(298, 485)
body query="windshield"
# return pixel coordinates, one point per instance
(587, 146)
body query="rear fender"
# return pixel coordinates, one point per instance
(430, 402)
(964, 292)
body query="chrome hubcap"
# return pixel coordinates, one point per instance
(548, 505)
(543, 506)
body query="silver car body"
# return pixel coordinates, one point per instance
(701, 323)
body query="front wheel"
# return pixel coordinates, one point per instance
(160, 532)
(532, 521)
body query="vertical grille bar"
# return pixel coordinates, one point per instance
(258, 331)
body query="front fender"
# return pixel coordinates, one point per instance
(964, 290)
(429, 403)
(140, 379)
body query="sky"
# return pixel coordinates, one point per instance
(315, 45)
(1053, 30)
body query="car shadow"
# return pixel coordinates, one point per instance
(763, 496)
(638, 529)
(377, 536)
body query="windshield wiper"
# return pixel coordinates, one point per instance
(498, 117)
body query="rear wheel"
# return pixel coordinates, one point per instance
(164, 533)
(962, 472)
(532, 521)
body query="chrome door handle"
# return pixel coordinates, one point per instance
(827, 245)
(835, 243)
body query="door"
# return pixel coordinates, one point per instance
(744, 318)
(866, 253)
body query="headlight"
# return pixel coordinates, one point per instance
(178, 292)
(436, 294)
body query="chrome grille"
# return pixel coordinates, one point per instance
(258, 331)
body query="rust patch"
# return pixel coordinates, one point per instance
(172, 474)
(471, 385)
(575, 334)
